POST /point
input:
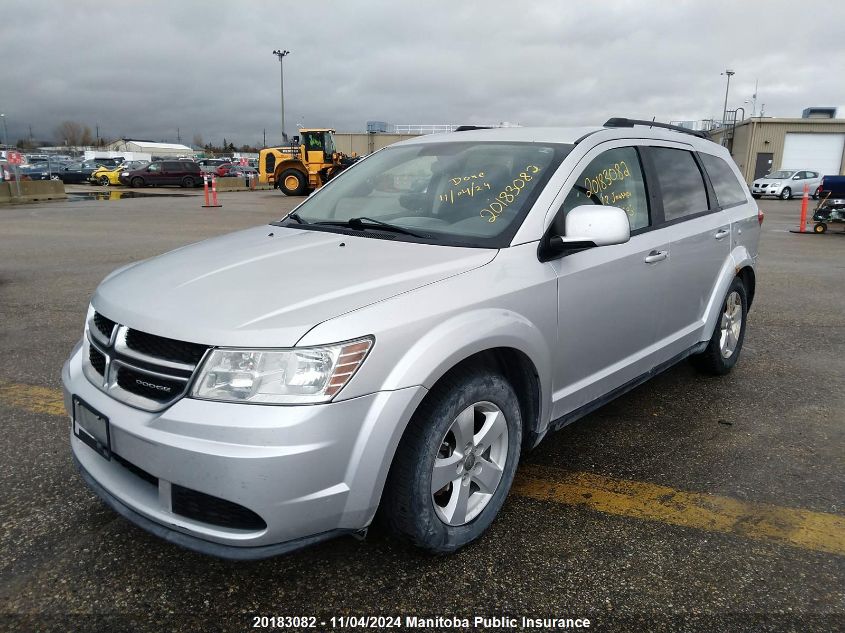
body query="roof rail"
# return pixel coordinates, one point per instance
(622, 122)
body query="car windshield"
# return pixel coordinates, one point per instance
(473, 194)
(780, 174)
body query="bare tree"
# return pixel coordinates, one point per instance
(70, 132)
(87, 137)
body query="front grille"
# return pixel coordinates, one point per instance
(152, 387)
(143, 370)
(98, 360)
(104, 325)
(207, 509)
(166, 348)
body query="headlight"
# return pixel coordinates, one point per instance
(284, 376)
(125, 173)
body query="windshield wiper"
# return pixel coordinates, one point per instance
(293, 215)
(369, 223)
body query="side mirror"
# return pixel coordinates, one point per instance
(590, 225)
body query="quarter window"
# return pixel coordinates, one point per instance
(728, 190)
(680, 182)
(614, 178)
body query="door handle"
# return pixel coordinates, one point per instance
(721, 234)
(656, 256)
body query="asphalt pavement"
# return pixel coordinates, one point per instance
(690, 503)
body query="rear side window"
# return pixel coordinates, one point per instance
(680, 182)
(728, 190)
(174, 166)
(612, 178)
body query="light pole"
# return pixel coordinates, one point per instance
(5, 132)
(729, 73)
(281, 55)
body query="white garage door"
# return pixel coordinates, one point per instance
(822, 152)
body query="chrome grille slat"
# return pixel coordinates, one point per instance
(131, 376)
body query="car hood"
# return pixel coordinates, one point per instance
(267, 286)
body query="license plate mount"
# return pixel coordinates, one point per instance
(91, 427)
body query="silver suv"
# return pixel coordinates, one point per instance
(395, 344)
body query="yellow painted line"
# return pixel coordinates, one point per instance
(817, 531)
(32, 398)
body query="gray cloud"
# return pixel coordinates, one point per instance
(145, 68)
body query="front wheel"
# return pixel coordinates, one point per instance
(817, 194)
(722, 351)
(137, 182)
(104, 181)
(786, 194)
(756, 196)
(820, 227)
(455, 463)
(293, 183)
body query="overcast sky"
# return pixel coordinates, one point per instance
(143, 69)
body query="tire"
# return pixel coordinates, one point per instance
(786, 194)
(756, 196)
(293, 182)
(817, 194)
(104, 181)
(136, 182)
(188, 182)
(821, 227)
(433, 520)
(718, 358)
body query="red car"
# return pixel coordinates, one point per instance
(222, 170)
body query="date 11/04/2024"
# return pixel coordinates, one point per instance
(508, 194)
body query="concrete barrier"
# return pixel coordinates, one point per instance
(236, 184)
(32, 190)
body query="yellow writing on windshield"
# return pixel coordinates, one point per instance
(509, 194)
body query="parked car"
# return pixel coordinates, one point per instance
(106, 176)
(400, 338)
(221, 170)
(786, 183)
(166, 172)
(210, 165)
(239, 171)
(78, 172)
(37, 171)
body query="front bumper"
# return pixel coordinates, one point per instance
(309, 472)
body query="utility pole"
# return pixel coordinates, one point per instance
(97, 132)
(5, 132)
(281, 55)
(729, 73)
(178, 136)
(265, 138)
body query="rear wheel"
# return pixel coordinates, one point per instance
(820, 227)
(817, 193)
(722, 351)
(137, 182)
(187, 182)
(786, 194)
(455, 463)
(293, 183)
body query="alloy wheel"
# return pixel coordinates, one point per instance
(731, 324)
(469, 464)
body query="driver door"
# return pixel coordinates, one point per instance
(610, 298)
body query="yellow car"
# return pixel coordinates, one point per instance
(106, 176)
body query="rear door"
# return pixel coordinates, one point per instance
(172, 172)
(700, 235)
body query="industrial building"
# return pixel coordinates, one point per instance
(156, 150)
(760, 145)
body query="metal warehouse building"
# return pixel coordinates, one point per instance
(161, 150)
(760, 145)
